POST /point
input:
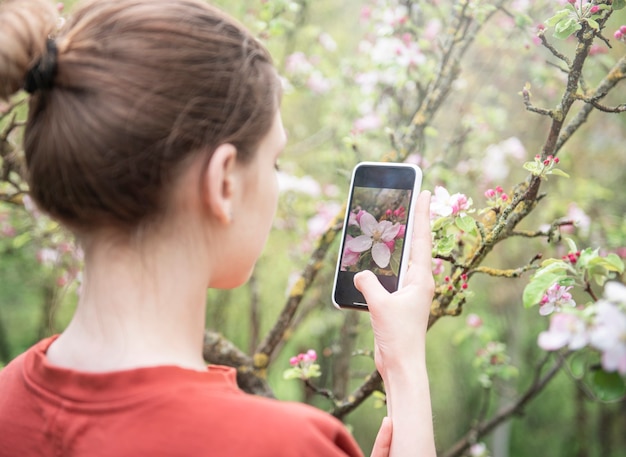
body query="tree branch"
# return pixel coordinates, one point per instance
(485, 427)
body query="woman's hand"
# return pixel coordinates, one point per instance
(382, 445)
(400, 321)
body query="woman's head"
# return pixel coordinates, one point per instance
(141, 86)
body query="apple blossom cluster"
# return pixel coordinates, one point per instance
(304, 358)
(451, 287)
(443, 204)
(600, 326)
(496, 197)
(555, 299)
(303, 366)
(543, 167)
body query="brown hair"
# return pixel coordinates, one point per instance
(140, 86)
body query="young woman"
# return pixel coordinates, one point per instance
(153, 132)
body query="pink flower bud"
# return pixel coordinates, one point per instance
(388, 213)
(490, 193)
(499, 189)
(556, 160)
(312, 355)
(571, 1)
(293, 361)
(474, 321)
(594, 9)
(447, 279)
(504, 197)
(464, 285)
(402, 231)
(623, 29)
(618, 35)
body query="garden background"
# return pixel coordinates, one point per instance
(471, 91)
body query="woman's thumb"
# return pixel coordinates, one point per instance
(368, 284)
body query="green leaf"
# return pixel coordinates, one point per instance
(431, 132)
(444, 246)
(533, 167)
(619, 4)
(441, 223)
(566, 282)
(586, 256)
(534, 290)
(578, 364)
(553, 266)
(560, 15)
(466, 223)
(394, 262)
(593, 24)
(556, 171)
(566, 27)
(292, 373)
(608, 386)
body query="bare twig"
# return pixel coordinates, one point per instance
(485, 427)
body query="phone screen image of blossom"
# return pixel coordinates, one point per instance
(375, 231)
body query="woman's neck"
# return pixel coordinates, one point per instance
(138, 306)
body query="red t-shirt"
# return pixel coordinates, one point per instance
(155, 411)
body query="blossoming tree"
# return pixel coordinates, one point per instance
(414, 90)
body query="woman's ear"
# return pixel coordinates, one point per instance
(218, 182)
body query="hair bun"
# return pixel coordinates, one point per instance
(24, 27)
(41, 75)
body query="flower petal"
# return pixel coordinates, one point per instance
(390, 231)
(368, 223)
(381, 254)
(359, 244)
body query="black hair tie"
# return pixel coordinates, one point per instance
(41, 75)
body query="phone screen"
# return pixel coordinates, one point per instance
(375, 228)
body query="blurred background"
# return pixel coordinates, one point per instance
(348, 87)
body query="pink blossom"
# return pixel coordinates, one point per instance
(294, 361)
(318, 84)
(375, 236)
(310, 356)
(349, 258)
(47, 256)
(368, 122)
(355, 217)
(437, 267)
(474, 321)
(608, 332)
(443, 204)
(326, 212)
(566, 329)
(7, 230)
(555, 298)
(298, 64)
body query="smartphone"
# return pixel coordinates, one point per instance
(377, 228)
